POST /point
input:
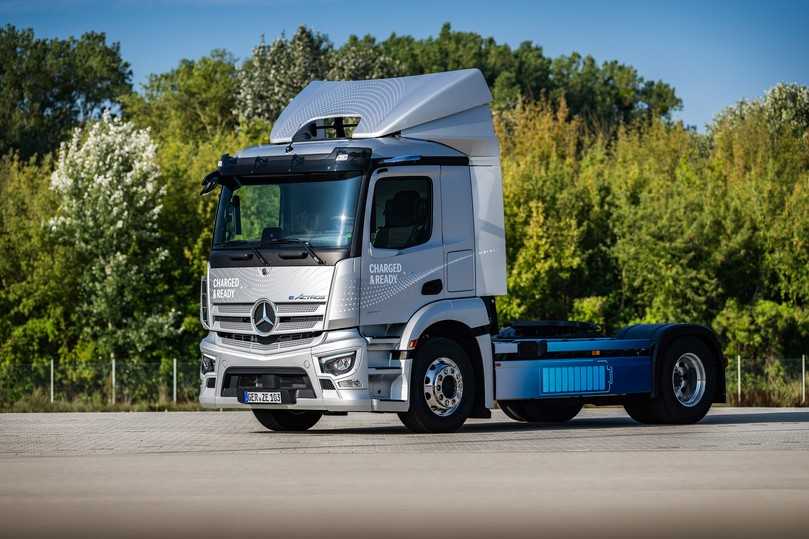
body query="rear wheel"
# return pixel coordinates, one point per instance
(510, 409)
(442, 390)
(542, 410)
(685, 384)
(287, 420)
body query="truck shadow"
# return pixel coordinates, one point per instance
(499, 425)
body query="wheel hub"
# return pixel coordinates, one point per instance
(688, 380)
(443, 386)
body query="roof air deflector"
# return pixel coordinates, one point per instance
(384, 106)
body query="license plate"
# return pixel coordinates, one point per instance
(262, 397)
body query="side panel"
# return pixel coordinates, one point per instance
(490, 236)
(470, 132)
(458, 231)
(575, 377)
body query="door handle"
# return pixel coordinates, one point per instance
(432, 288)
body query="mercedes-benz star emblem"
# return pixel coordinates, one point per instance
(263, 316)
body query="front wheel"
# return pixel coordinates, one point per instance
(442, 391)
(287, 420)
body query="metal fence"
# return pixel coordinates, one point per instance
(108, 383)
(750, 382)
(766, 381)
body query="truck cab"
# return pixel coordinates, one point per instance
(355, 265)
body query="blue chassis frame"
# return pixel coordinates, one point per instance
(534, 368)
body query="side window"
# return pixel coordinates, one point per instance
(401, 215)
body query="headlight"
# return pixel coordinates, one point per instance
(207, 364)
(338, 364)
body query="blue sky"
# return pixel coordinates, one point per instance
(713, 52)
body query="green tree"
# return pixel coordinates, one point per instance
(362, 58)
(36, 281)
(48, 86)
(604, 95)
(196, 100)
(275, 73)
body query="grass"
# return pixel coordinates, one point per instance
(39, 401)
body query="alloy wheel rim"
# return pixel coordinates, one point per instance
(443, 386)
(688, 380)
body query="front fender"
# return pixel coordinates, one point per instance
(470, 312)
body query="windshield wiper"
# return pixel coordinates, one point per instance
(306, 245)
(260, 256)
(240, 244)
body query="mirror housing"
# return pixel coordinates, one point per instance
(209, 182)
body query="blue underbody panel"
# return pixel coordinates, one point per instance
(544, 378)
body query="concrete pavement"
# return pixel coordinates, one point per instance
(739, 473)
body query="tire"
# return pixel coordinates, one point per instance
(639, 409)
(549, 411)
(287, 420)
(442, 391)
(510, 410)
(685, 384)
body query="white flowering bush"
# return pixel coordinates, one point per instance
(108, 185)
(784, 106)
(787, 105)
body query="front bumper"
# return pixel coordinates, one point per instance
(338, 399)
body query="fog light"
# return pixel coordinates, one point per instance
(207, 364)
(337, 365)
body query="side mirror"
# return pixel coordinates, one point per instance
(209, 182)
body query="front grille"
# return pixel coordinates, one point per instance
(298, 323)
(243, 309)
(233, 324)
(286, 308)
(273, 343)
(292, 317)
(233, 308)
(292, 381)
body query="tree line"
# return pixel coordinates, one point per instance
(615, 213)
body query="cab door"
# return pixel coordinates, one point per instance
(402, 254)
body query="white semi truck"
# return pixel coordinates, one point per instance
(355, 264)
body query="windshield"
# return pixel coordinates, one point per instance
(263, 212)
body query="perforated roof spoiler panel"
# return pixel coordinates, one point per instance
(384, 106)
